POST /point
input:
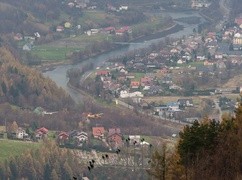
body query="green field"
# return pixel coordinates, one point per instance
(10, 148)
(49, 53)
(138, 76)
(60, 50)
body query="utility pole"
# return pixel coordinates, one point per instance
(142, 157)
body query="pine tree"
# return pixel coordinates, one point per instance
(54, 175)
(47, 171)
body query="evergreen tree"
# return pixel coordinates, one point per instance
(14, 170)
(54, 175)
(47, 171)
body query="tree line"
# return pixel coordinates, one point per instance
(205, 150)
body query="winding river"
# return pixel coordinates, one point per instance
(58, 75)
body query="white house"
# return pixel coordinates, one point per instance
(125, 94)
(134, 138)
(82, 136)
(123, 8)
(21, 133)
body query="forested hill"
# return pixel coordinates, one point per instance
(25, 87)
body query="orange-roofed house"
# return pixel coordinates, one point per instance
(134, 84)
(98, 132)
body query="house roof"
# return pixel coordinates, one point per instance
(63, 134)
(112, 131)
(238, 20)
(102, 72)
(42, 130)
(109, 28)
(134, 83)
(98, 131)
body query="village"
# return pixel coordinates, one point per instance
(199, 69)
(108, 147)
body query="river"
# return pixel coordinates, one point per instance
(58, 75)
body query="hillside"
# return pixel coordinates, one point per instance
(25, 87)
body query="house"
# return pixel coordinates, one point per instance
(37, 35)
(81, 137)
(123, 8)
(180, 61)
(185, 103)
(27, 47)
(18, 37)
(62, 138)
(201, 57)
(238, 21)
(160, 110)
(122, 30)
(67, 25)
(102, 73)
(63, 135)
(134, 138)
(173, 106)
(218, 55)
(122, 70)
(125, 94)
(207, 63)
(98, 132)
(134, 84)
(59, 28)
(114, 137)
(146, 81)
(41, 133)
(21, 133)
(237, 40)
(109, 30)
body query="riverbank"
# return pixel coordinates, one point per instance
(170, 30)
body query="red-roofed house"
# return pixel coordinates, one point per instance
(109, 29)
(238, 20)
(146, 81)
(103, 73)
(59, 28)
(41, 132)
(98, 132)
(122, 30)
(134, 84)
(114, 137)
(62, 138)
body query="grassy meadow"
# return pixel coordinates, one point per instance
(11, 148)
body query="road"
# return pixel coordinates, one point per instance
(216, 102)
(223, 4)
(119, 102)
